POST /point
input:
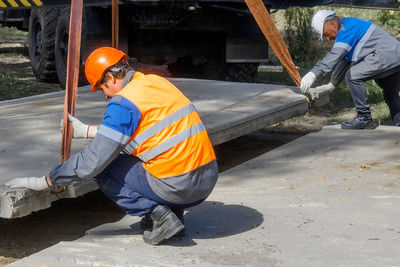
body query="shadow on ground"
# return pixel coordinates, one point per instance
(209, 220)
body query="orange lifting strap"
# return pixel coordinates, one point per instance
(274, 38)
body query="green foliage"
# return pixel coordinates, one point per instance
(7, 82)
(390, 20)
(367, 14)
(12, 86)
(7, 79)
(300, 37)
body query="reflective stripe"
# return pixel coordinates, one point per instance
(362, 42)
(159, 126)
(116, 98)
(130, 147)
(2, 4)
(342, 45)
(113, 134)
(171, 142)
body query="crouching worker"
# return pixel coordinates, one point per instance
(151, 154)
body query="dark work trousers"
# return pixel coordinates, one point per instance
(389, 81)
(124, 181)
(391, 87)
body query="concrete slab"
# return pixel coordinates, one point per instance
(329, 198)
(30, 129)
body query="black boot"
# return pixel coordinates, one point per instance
(165, 225)
(146, 223)
(359, 122)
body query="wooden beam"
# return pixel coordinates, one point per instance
(74, 51)
(115, 24)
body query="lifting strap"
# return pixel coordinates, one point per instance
(274, 38)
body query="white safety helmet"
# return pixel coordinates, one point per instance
(319, 19)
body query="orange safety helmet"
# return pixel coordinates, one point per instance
(99, 61)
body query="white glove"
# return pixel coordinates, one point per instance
(34, 183)
(326, 87)
(80, 130)
(307, 81)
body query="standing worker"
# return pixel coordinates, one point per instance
(362, 51)
(151, 154)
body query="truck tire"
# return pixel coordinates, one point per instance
(42, 26)
(241, 72)
(61, 48)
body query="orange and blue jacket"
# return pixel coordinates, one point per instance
(151, 119)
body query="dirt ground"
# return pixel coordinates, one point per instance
(69, 219)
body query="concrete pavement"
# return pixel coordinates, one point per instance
(329, 198)
(30, 129)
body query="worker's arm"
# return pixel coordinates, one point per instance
(324, 66)
(120, 121)
(86, 164)
(327, 64)
(338, 74)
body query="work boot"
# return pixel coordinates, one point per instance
(146, 223)
(359, 122)
(165, 225)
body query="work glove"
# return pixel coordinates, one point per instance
(34, 183)
(326, 87)
(307, 81)
(314, 92)
(80, 130)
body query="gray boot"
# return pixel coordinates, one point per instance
(165, 225)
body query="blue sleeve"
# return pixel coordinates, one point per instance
(121, 119)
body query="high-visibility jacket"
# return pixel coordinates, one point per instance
(170, 139)
(151, 119)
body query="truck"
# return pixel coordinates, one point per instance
(210, 39)
(201, 39)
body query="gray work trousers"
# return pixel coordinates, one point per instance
(389, 81)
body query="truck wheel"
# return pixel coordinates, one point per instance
(61, 48)
(42, 26)
(241, 72)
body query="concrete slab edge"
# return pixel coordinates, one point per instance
(218, 136)
(16, 203)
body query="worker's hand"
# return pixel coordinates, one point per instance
(80, 130)
(34, 183)
(326, 87)
(307, 81)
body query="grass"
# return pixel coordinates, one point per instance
(12, 34)
(11, 87)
